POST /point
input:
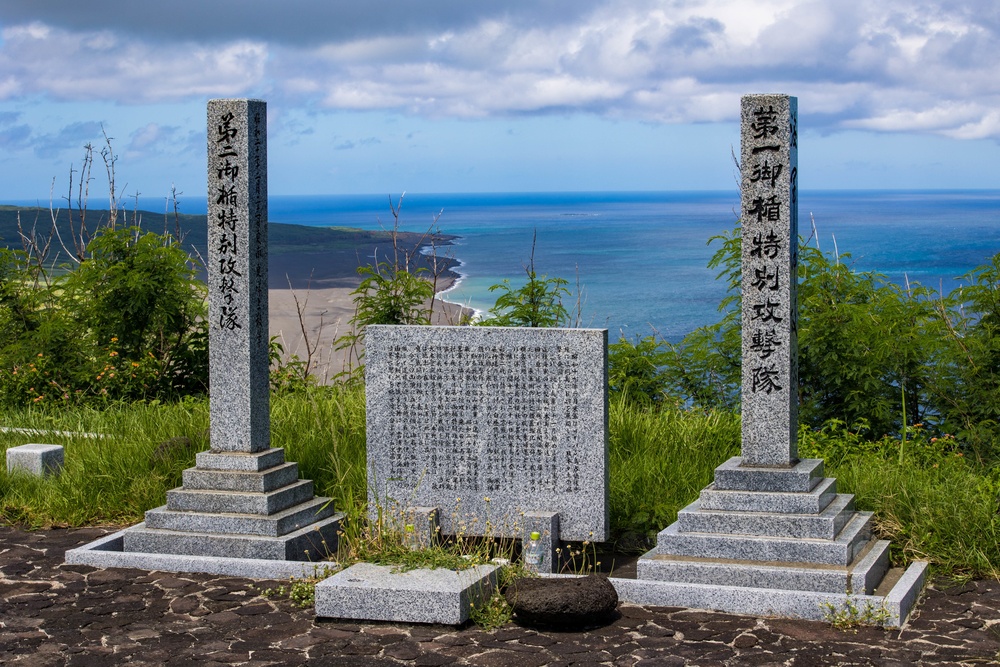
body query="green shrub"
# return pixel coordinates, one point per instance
(869, 351)
(127, 323)
(537, 303)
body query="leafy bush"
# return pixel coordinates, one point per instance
(127, 323)
(869, 351)
(537, 303)
(634, 370)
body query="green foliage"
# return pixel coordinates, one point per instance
(865, 346)
(128, 323)
(537, 303)
(704, 369)
(660, 461)
(851, 615)
(391, 295)
(634, 370)
(965, 385)
(869, 351)
(287, 375)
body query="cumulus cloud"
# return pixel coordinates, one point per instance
(62, 65)
(897, 65)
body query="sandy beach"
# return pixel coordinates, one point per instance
(310, 298)
(326, 315)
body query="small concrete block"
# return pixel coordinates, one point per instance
(376, 593)
(824, 525)
(275, 525)
(240, 502)
(240, 461)
(546, 524)
(813, 502)
(841, 551)
(801, 477)
(38, 460)
(232, 480)
(314, 542)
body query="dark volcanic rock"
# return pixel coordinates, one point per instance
(565, 603)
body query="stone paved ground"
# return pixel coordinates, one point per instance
(57, 614)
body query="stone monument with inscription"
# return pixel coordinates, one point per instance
(771, 535)
(242, 500)
(497, 430)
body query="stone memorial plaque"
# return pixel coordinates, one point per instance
(237, 275)
(488, 423)
(769, 170)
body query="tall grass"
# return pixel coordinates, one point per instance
(933, 504)
(660, 460)
(111, 479)
(324, 432)
(945, 512)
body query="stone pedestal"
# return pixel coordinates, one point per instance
(37, 460)
(228, 509)
(766, 528)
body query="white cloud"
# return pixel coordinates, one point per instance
(104, 66)
(896, 65)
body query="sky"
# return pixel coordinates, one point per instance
(385, 96)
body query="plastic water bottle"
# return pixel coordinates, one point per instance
(533, 556)
(410, 537)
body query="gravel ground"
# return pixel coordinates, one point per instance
(57, 614)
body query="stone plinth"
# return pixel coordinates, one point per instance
(489, 423)
(382, 593)
(38, 460)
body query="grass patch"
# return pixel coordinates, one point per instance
(660, 461)
(931, 501)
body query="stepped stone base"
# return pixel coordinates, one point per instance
(772, 541)
(240, 505)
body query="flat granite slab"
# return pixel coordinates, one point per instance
(370, 592)
(890, 610)
(107, 552)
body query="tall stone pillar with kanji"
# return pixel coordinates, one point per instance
(769, 176)
(242, 500)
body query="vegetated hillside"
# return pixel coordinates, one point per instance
(303, 255)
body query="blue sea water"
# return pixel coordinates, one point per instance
(640, 258)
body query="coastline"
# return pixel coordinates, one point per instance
(310, 298)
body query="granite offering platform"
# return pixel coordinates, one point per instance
(369, 592)
(234, 508)
(774, 541)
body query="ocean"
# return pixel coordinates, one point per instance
(640, 258)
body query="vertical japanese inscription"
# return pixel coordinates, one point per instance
(237, 275)
(769, 183)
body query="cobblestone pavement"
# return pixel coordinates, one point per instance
(57, 614)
